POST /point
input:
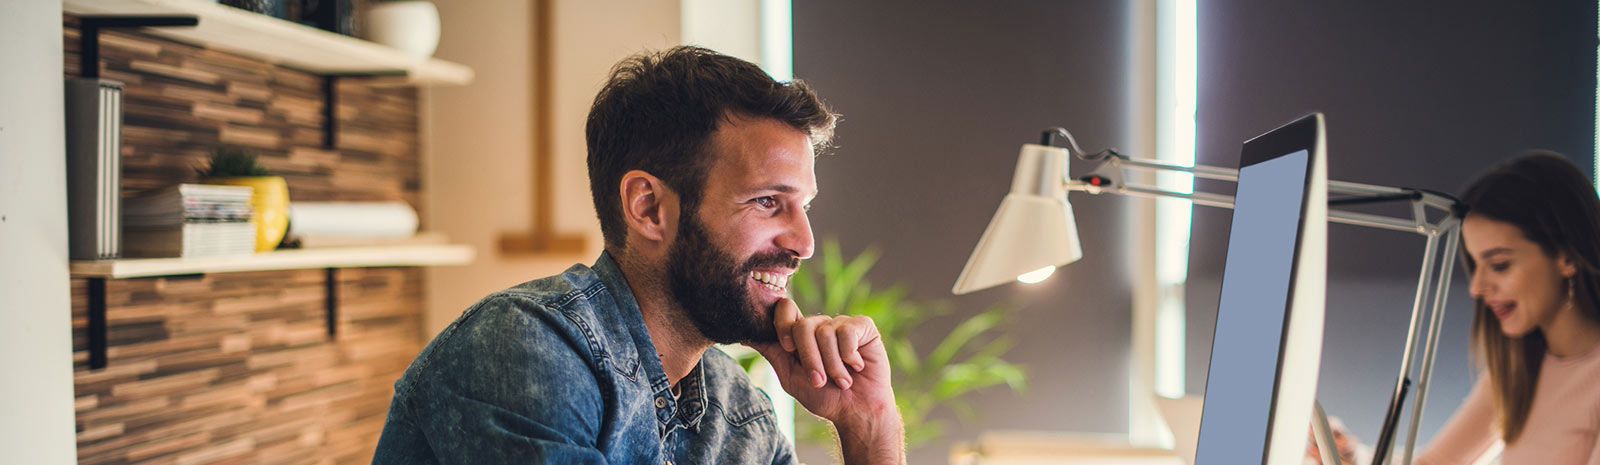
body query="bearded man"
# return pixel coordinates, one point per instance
(702, 171)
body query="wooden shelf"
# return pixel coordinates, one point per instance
(278, 41)
(334, 257)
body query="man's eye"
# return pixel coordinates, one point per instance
(766, 202)
(1499, 267)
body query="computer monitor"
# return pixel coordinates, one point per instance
(1268, 341)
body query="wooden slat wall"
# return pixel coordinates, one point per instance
(237, 367)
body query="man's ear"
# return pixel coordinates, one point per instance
(649, 207)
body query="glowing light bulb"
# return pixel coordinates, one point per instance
(1035, 276)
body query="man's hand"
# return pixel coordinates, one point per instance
(838, 369)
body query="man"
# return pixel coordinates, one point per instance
(701, 169)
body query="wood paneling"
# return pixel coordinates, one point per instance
(238, 367)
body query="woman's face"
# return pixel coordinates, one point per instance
(1519, 283)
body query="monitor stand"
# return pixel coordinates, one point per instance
(1322, 433)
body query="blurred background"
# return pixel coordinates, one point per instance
(485, 144)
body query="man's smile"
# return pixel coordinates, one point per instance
(774, 280)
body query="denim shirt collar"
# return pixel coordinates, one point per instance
(688, 408)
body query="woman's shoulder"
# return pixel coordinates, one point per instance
(1572, 379)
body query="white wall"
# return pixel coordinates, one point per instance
(732, 27)
(36, 417)
(476, 171)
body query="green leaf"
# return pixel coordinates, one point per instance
(228, 162)
(922, 433)
(803, 288)
(1015, 377)
(994, 349)
(748, 361)
(962, 335)
(902, 356)
(961, 378)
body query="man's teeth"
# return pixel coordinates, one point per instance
(776, 282)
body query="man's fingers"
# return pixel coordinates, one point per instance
(774, 353)
(828, 343)
(784, 316)
(850, 345)
(805, 343)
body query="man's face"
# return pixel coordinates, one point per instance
(732, 258)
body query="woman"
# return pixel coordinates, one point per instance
(1531, 237)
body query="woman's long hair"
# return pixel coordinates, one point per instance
(1551, 202)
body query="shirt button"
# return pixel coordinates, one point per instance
(661, 402)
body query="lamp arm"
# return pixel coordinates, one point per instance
(1108, 173)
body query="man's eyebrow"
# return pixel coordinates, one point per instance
(784, 188)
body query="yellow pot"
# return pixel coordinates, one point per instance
(271, 205)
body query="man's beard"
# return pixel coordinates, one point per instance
(712, 288)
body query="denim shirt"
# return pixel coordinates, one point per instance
(562, 370)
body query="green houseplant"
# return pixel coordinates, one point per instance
(270, 201)
(968, 358)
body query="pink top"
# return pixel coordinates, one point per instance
(1561, 428)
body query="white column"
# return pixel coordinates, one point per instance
(36, 416)
(1162, 116)
(1144, 421)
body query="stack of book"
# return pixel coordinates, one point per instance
(189, 220)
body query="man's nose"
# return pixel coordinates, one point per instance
(797, 239)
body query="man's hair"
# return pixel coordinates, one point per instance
(657, 113)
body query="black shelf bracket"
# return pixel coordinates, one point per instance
(97, 323)
(89, 35)
(330, 112)
(332, 304)
(330, 103)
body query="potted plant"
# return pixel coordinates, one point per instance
(966, 359)
(270, 201)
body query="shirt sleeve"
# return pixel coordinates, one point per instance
(1470, 432)
(512, 385)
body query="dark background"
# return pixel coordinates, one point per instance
(938, 96)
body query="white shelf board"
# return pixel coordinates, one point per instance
(277, 41)
(333, 257)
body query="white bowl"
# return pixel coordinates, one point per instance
(410, 26)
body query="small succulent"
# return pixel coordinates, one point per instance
(230, 162)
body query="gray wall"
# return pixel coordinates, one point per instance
(1415, 95)
(35, 314)
(937, 99)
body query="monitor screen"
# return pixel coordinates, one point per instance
(1252, 316)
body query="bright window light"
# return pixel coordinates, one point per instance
(1036, 276)
(777, 39)
(1177, 72)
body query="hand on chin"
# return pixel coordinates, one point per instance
(836, 367)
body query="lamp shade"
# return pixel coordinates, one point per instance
(1034, 228)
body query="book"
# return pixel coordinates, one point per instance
(189, 220)
(191, 240)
